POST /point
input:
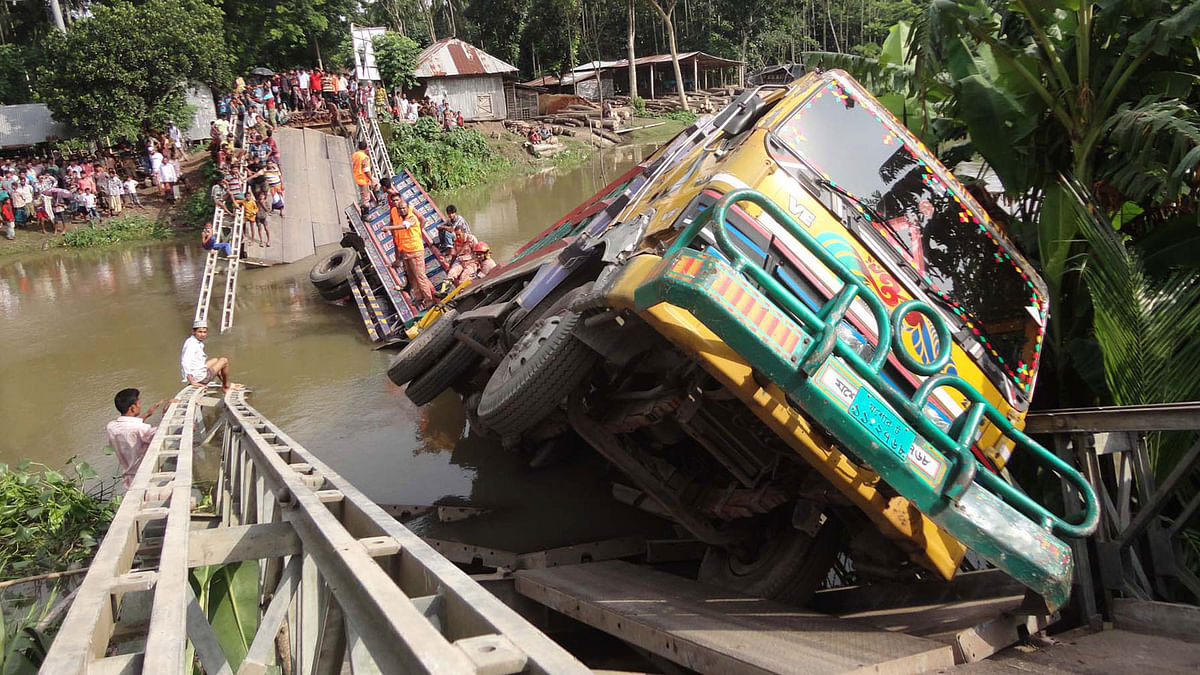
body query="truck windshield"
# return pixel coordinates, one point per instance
(927, 219)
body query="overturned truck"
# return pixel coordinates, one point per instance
(797, 332)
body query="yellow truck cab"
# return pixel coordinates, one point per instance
(794, 330)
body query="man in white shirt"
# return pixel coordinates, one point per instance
(194, 365)
(156, 162)
(129, 435)
(303, 80)
(22, 200)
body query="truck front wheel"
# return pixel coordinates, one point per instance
(786, 565)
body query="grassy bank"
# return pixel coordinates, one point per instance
(127, 228)
(489, 153)
(124, 229)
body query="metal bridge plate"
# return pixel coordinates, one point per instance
(716, 631)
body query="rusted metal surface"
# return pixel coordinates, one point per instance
(449, 57)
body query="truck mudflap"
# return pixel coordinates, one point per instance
(799, 350)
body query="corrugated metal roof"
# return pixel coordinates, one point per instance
(593, 65)
(28, 124)
(543, 81)
(684, 57)
(449, 57)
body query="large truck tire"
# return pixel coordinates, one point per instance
(336, 293)
(419, 355)
(333, 270)
(455, 364)
(788, 566)
(544, 365)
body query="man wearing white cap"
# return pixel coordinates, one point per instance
(194, 365)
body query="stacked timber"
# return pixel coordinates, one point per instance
(708, 100)
(598, 137)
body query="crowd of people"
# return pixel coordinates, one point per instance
(466, 257)
(244, 150)
(50, 193)
(246, 154)
(410, 110)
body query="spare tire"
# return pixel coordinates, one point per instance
(419, 355)
(334, 269)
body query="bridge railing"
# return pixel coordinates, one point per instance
(139, 574)
(1144, 515)
(339, 580)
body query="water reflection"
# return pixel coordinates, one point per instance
(79, 325)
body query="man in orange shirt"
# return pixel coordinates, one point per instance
(360, 168)
(406, 229)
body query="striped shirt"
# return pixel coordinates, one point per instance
(235, 187)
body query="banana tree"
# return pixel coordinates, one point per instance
(1102, 92)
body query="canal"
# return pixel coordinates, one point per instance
(79, 325)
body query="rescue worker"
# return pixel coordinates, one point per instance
(360, 168)
(463, 265)
(406, 228)
(483, 258)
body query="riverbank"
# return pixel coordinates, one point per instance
(159, 219)
(511, 147)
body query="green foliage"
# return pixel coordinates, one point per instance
(48, 522)
(22, 646)
(124, 228)
(442, 160)
(125, 68)
(685, 116)
(228, 596)
(14, 67)
(281, 35)
(1148, 325)
(396, 56)
(502, 25)
(639, 105)
(196, 209)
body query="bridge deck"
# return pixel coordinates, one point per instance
(339, 580)
(716, 631)
(317, 189)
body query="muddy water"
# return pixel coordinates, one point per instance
(75, 327)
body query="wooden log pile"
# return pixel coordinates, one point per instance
(705, 101)
(598, 137)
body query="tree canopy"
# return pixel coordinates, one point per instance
(127, 66)
(396, 58)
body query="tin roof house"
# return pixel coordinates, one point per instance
(472, 81)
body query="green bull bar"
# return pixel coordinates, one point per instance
(932, 467)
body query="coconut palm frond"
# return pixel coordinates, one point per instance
(1147, 326)
(1157, 146)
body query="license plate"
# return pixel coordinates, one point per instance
(882, 422)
